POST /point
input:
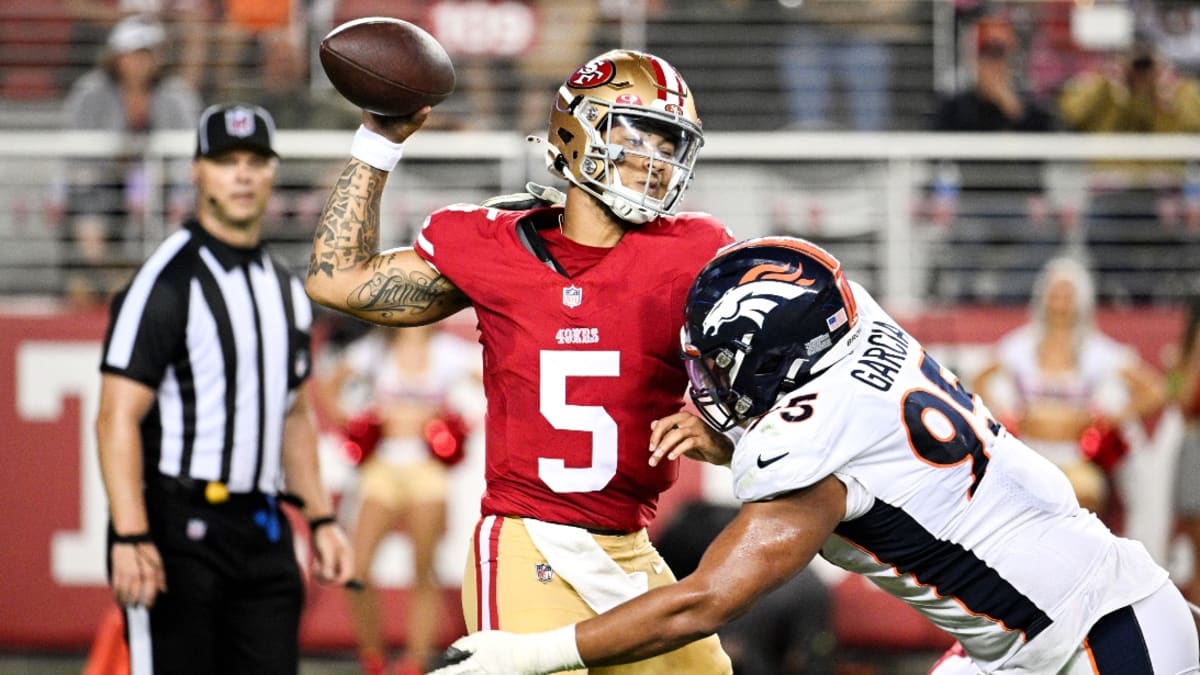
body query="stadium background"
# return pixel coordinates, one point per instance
(948, 229)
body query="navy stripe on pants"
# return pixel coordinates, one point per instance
(1117, 647)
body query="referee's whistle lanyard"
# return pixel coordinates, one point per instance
(268, 519)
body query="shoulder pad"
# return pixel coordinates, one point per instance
(535, 196)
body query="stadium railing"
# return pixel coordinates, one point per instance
(922, 218)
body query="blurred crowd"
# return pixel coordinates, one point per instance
(133, 67)
(838, 64)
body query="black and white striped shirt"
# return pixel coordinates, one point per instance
(222, 335)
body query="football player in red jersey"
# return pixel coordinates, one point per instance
(579, 307)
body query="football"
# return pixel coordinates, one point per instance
(387, 66)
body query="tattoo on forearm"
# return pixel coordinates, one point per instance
(348, 233)
(396, 292)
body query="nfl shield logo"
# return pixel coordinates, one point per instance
(544, 573)
(572, 296)
(196, 529)
(239, 122)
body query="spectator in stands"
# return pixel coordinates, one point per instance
(187, 44)
(851, 43)
(1174, 26)
(130, 93)
(1054, 56)
(1138, 92)
(241, 39)
(1186, 393)
(409, 378)
(994, 102)
(1058, 380)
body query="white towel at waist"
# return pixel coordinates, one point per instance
(575, 556)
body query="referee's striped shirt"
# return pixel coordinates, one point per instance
(222, 335)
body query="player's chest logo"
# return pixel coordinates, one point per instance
(577, 336)
(572, 296)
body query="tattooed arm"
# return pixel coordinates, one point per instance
(349, 273)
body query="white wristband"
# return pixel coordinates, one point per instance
(373, 149)
(549, 652)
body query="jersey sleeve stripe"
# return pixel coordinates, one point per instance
(127, 322)
(424, 244)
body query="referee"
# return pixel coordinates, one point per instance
(204, 428)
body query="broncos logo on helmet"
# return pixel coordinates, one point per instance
(763, 317)
(753, 302)
(763, 288)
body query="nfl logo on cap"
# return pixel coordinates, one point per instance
(235, 126)
(239, 122)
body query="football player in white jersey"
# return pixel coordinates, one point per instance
(859, 446)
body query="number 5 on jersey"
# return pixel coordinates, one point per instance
(556, 367)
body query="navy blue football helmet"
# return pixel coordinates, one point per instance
(762, 318)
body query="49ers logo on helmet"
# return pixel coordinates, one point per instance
(593, 74)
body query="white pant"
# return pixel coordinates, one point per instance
(1166, 625)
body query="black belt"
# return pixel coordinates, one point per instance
(215, 492)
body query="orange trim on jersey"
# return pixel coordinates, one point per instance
(938, 594)
(1087, 647)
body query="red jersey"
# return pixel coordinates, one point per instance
(574, 369)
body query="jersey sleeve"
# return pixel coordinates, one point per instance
(772, 460)
(144, 333)
(453, 239)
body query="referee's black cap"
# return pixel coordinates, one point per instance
(235, 126)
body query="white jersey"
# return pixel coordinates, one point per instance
(945, 509)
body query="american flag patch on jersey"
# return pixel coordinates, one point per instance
(837, 320)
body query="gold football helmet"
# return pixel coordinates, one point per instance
(647, 99)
